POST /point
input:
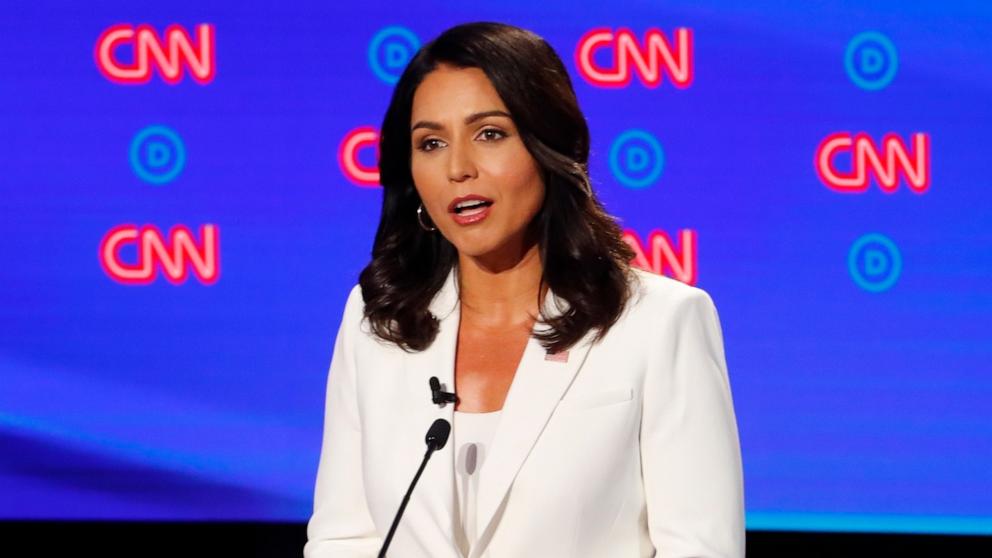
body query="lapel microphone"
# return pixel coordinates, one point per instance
(440, 397)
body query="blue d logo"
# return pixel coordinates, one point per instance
(390, 50)
(157, 154)
(871, 60)
(636, 159)
(874, 262)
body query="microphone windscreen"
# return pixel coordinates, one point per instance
(437, 435)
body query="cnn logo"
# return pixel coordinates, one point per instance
(886, 162)
(661, 255)
(650, 61)
(169, 54)
(364, 138)
(156, 251)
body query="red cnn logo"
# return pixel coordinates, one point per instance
(171, 255)
(365, 137)
(886, 163)
(662, 254)
(168, 55)
(649, 62)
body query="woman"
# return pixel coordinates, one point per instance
(593, 413)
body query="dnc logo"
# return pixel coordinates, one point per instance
(870, 60)
(157, 154)
(874, 262)
(636, 158)
(390, 50)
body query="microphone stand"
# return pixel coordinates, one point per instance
(437, 437)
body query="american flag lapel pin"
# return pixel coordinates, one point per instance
(557, 357)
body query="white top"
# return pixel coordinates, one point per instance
(473, 433)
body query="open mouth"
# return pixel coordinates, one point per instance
(472, 207)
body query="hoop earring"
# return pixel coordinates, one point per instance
(420, 220)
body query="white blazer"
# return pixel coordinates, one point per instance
(628, 449)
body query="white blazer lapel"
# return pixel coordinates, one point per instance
(540, 381)
(433, 499)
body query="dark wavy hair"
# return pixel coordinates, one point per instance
(585, 260)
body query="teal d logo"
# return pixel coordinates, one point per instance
(874, 262)
(870, 60)
(636, 159)
(390, 50)
(157, 154)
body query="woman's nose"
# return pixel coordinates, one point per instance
(460, 163)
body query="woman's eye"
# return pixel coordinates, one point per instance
(494, 131)
(490, 134)
(424, 144)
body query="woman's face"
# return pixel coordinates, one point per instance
(464, 143)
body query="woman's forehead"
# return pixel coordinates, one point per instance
(454, 94)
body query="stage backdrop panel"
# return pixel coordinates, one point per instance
(189, 192)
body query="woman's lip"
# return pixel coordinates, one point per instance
(472, 219)
(470, 197)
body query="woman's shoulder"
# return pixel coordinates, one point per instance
(354, 307)
(657, 296)
(357, 329)
(355, 295)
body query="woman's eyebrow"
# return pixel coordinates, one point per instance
(431, 125)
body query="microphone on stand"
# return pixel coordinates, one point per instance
(437, 437)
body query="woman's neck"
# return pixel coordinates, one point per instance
(500, 295)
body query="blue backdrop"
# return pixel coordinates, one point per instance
(855, 293)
